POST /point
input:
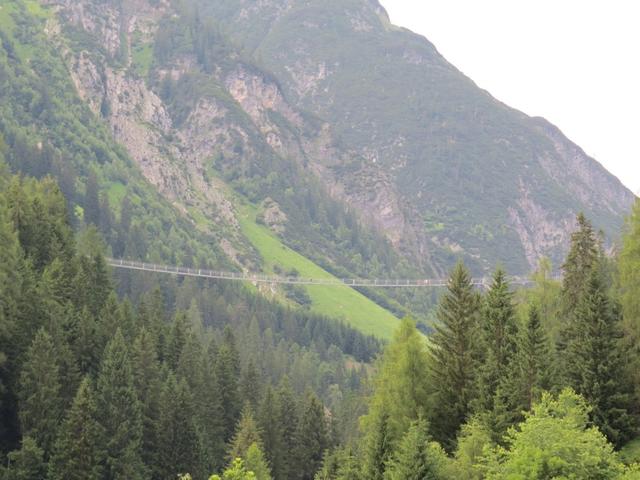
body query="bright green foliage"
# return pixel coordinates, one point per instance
(378, 448)
(412, 460)
(454, 351)
(119, 413)
(311, 438)
(628, 284)
(237, 471)
(401, 383)
(256, 462)
(40, 402)
(247, 434)
(349, 468)
(79, 453)
(595, 362)
(556, 441)
(177, 438)
(27, 463)
(474, 439)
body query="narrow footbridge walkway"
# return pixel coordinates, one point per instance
(295, 280)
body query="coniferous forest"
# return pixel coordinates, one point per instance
(110, 376)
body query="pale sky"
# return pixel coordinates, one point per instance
(574, 62)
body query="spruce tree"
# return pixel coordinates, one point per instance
(596, 360)
(411, 460)
(119, 413)
(146, 379)
(311, 437)
(533, 360)
(288, 420)
(247, 433)
(227, 375)
(378, 449)
(178, 449)
(250, 384)
(500, 337)
(269, 425)
(78, 453)
(40, 402)
(27, 463)
(210, 418)
(454, 357)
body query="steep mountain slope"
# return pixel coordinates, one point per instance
(358, 145)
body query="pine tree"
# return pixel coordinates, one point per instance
(595, 362)
(349, 468)
(27, 463)
(247, 433)
(312, 438)
(86, 343)
(378, 448)
(40, 401)
(78, 453)
(250, 385)
(227, 376)
(454, 355)
(177, 339)
(119, 413)
(411, 460)
(210, 419)
(178, 447)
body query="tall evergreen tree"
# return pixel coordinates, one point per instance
(595, 362)
(312, 438)
(78, 453)
(288, 420)
(227, 376)
(146, 379)
(247, 433)
(583, 257)
(454, 357)
(411, 460)
(119, 413)
(40, 402)
(533, 360)
(269, 425)
(256, 462)
(27, 463)
(378, 449)
(250, 387)
(178, 449)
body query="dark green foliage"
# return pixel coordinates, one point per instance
(227, 376)
(455, 352)
(533, 360)
(247, 433)
(79, 452)
(41, 406)
(595, 362)
(500, 338)
(177, 436)
(119, 413)
(271, 431)
(311, 438)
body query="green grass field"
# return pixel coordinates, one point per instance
(339, 302)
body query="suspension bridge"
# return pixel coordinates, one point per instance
(297, 280)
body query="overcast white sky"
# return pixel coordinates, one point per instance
(574, 62)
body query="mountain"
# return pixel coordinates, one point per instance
(286, 136)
